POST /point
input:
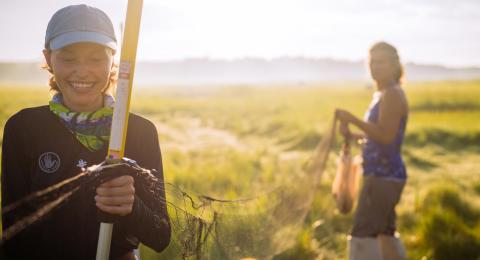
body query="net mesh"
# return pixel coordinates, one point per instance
(205, 227)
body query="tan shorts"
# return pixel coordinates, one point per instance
(375, 213)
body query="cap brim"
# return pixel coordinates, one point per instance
(66, 39)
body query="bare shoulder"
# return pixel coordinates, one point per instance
(395, 98)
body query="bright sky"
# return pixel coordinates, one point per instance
(445, 32)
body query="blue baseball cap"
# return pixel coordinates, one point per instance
(79, 23)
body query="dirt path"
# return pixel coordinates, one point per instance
(188, 134)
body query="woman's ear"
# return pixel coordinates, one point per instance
(48, 56)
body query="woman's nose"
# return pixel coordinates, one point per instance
(82, 69)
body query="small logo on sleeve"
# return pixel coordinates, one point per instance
(49, 162)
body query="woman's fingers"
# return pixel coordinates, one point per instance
(344, 130)
(340, 113)
(116, 191)
(343, 115)
(114, 201)
(116, 196)
(121, 210)
(118, 182)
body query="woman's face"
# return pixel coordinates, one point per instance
(82, 72)
(382, 67)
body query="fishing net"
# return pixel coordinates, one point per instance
(261, 225)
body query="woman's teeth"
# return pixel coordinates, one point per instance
(81, 84)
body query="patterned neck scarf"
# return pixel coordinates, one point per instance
(92, 129)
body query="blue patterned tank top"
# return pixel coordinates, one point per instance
(383, 160)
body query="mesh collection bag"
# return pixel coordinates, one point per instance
(345, 185)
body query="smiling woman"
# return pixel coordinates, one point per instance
(82, 72)
(43, 146)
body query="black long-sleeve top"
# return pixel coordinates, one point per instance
(39, 151)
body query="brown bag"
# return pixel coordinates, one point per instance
(345, 185)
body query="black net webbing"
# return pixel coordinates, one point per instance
(204, 227)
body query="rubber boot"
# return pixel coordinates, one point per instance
(363, 248)
(392, 247)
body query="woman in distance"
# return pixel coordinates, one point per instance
(383, 128)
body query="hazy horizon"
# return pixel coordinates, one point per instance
(442, 32)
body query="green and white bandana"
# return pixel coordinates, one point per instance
(92, 129)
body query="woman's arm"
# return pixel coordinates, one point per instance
(149, 220)
(390, 114)
(346, 132)
(140, 202)
(15, 164)
(16, 184)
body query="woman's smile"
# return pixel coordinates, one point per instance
(81, 86)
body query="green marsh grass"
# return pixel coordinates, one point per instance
(234, 141)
